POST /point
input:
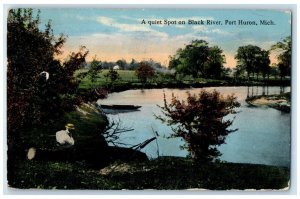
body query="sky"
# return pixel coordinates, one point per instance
(113, 34)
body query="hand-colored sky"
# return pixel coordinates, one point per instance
(113, 34)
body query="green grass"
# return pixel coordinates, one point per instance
(165, 173)
(128, 80)
(100, 81)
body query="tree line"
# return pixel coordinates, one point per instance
(124, 65)
(198, 59)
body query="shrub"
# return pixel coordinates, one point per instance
(200, 121)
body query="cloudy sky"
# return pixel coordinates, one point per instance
(113, 34)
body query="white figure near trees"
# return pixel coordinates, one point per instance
(64, 137)
(47, 75)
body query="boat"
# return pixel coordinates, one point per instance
(120, 107)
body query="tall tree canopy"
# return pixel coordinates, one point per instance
(215, 61)
(285, 57)
(198, 59)
(264, 63)
(39, 87)
(253, 59)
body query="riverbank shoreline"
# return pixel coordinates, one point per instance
(91, 96)
(280, 102)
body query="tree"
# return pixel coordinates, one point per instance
(274, 71)
(283, 70)
(198, 59)
(214, 65)
(113, 75)
(144, 72)
(191, 60)
(239, 72)
(200, 121)
(33, 99)
(122, 63)
(264, 64)
(285, 57)
(133, 65)
(95, 68)
(247, 58)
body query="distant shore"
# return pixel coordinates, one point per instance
(89, 95)
(280, 102)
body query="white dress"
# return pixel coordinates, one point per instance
(63, 137)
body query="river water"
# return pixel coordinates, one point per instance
(263, 136)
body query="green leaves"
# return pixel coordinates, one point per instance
(198, 59)
(253, 59)
(285, 57)
(95, 68)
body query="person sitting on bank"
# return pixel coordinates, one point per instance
(64, 138)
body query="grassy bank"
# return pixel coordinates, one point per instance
(163, 173)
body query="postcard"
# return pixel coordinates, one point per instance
(149, 98)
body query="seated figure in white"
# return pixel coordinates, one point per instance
(64, 137)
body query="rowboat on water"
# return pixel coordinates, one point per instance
(119, 106)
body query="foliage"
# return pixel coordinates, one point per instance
(264, 62)
(95, 68)
(113, 75)
(285, 57)
(144, 72)
(121, 63)
(32, 99)
(200, 121)
(133, 65)
(198, 59)
(253, 59)
(215, 61)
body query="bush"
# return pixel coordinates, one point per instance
(200, 121)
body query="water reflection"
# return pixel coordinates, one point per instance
(263, 136)
(264, 90)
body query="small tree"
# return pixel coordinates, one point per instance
(113, 75)
(95, 68)
(122, 63)
(133, 65)
(200, 122)
(144, 72)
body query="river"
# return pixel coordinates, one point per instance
(263, 136)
